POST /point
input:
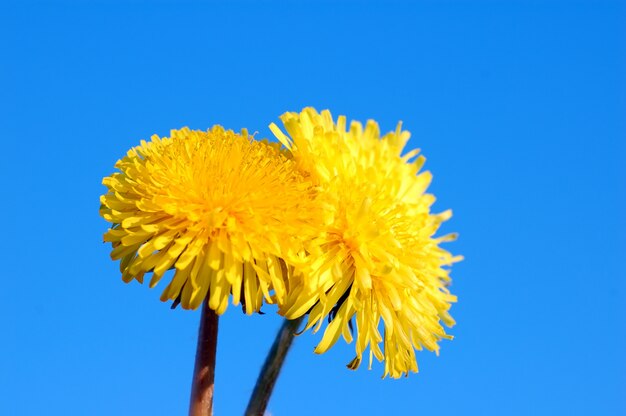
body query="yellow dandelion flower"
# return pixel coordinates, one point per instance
(217, 207)
(376, 258)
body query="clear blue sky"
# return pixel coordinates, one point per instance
(519, 107)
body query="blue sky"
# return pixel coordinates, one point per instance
(519, 107)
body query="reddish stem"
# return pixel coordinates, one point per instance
(204, 371)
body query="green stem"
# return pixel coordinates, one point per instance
(271, 368)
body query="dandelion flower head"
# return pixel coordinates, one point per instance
(375, 260)
(218, 208)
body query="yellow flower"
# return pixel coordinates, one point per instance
(218, 207)
(376, 258)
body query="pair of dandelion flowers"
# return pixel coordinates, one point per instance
(334, 225)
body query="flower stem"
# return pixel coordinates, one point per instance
(271, 368)
(202, 386)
